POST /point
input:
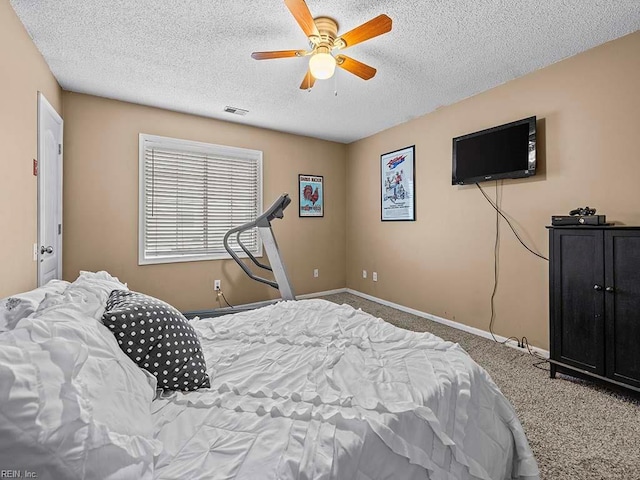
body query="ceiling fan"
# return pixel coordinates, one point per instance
(323, 38)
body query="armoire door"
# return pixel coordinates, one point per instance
(577, 301)
(622, 305)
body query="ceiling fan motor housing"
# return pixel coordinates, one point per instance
(328, 29)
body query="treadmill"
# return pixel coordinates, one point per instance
(263, 224)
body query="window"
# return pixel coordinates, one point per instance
(191, 194)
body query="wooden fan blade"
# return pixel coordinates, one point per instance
(308, 81)
(374, 27)
(277, 54)
(360, 69)
(301, 13)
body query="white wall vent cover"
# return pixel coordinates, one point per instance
(236, 110)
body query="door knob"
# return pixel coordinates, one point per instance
(597, 287)
(609, 289)
(44, 250)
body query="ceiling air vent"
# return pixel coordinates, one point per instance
(236, 110)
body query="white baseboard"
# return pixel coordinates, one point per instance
(321, 294)
(447, 322)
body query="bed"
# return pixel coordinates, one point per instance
(296, 390)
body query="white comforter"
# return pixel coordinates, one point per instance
(314, 390)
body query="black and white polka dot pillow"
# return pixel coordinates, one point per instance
(158, 338)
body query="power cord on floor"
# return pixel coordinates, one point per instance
(220, 294)
(525, 344)
(225, 300)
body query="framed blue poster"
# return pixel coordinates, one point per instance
(311, 195)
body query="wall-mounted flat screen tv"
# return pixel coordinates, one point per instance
(505, 151)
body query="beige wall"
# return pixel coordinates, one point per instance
(101, 202)
(23, 72)
(588, 110)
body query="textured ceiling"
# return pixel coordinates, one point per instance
(195, 56)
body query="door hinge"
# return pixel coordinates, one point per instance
(59, 149)
(59, 229)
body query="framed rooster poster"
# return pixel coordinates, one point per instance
(311, 195)
(397, 185)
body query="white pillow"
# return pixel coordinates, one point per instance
(17, 307)
(72, 404)
(87, 294)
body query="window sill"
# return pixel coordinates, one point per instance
(192, 258)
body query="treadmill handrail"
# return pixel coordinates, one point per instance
(250, 255)
(274, 211)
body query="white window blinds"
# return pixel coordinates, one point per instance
(191, 194)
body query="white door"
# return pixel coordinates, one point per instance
(49, 192)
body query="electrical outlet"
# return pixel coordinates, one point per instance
(315, 273)
(364, 274)
(375, 276)
(216, 285)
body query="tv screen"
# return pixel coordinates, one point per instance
(505, 151)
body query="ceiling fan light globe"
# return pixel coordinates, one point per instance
(322, 65)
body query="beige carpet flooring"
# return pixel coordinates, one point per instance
(578, 430)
